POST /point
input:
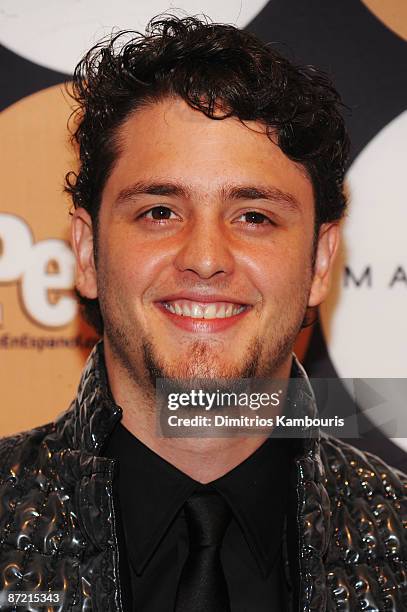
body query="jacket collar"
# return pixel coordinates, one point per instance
(91, 418)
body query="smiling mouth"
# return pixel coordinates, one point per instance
(199, 310)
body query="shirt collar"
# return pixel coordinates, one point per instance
(151, 492)
(257, 492)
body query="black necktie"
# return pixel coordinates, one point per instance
(202, 586)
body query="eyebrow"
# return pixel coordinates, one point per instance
(273, 194)
(228, 192)
(157, 189)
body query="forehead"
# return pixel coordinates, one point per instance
(169, 140)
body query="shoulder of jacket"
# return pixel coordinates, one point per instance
(351, 472)
(21, 448)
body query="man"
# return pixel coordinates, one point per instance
(206, 216)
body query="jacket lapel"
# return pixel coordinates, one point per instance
(308, 517)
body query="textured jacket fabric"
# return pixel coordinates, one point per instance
(345, 543)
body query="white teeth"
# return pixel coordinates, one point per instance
(210, 312)
(195, 310)
(229, 311)
(221, 312)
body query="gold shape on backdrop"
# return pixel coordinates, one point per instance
(393, 13)
(43, 343)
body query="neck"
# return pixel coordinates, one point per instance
(203, 459)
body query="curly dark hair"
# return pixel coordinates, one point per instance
(213, 67)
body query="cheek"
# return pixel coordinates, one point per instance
(279, 271)
(128, 266)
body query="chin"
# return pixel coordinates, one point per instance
(186, 369)
(201, 360)
(205, 371)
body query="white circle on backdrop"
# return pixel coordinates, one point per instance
(366, 327)
(57, 34)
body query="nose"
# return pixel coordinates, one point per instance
(205, 250)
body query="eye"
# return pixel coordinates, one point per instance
(159, 213)
(254, 218)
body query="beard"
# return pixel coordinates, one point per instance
(200, 359)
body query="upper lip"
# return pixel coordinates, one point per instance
(206, 298)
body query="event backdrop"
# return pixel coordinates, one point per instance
(362, 329)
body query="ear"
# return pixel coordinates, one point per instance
(328, 241)
(82, 245)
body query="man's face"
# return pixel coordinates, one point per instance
(205, 244)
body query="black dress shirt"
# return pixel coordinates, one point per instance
(153, 538)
